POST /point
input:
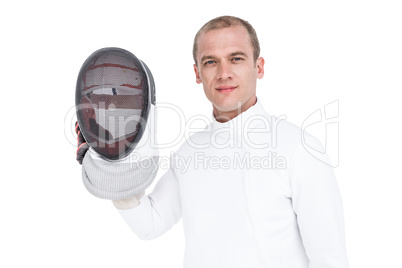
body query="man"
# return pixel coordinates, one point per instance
(250, 195)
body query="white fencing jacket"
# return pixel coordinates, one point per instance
(253, 192)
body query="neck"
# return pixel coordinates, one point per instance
(224, 116)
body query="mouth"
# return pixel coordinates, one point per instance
(226, 88)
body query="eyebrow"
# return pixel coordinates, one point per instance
(237, 53)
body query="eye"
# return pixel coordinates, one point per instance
(236, 59)
(209, 62)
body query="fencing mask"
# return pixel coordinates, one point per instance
(115, 107)
(114, 95)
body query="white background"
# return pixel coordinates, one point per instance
(316, 52)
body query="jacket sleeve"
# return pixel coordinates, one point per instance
(158, 211)
(317, 203)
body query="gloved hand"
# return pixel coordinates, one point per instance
(81, 143)
(121, 179)
(83, 147)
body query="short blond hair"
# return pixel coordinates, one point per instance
(226, 22)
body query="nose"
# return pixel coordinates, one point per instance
(225, 70)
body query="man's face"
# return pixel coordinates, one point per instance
(227, 70)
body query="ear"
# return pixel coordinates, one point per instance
(260, 67)
(197, 74)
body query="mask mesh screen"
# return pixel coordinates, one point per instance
(112, 100)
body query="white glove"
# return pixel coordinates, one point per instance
(127, 177)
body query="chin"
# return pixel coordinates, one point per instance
(228, 106)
